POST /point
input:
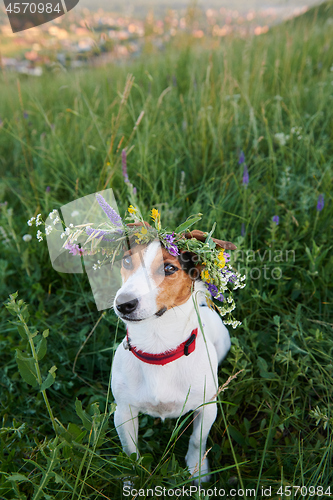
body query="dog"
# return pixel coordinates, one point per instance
(166, 366)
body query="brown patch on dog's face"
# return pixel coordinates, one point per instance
(176, 287)
(173, 284)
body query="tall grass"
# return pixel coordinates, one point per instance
(183, 116)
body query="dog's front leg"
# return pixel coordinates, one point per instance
(195, 458)
(126, 423)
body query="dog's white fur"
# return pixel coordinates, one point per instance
(179, 386)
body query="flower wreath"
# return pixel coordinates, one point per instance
(218, 276)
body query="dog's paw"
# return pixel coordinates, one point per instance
(200, 474)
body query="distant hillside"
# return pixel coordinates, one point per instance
(142, 6)
(321, 13)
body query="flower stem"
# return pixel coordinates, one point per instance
(39, 376)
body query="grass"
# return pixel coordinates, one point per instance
(203, 103)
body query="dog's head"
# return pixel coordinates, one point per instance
(155, 281)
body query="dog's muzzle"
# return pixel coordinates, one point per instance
(126, 303)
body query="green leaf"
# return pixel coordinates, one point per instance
(47, 382)
(46, 333)
(18, 477)
(148, 433)
(72, 433)
(85, 418)
(21, 330)
(236, 435)
(27, 368)
(253, 442)
(211, 233)
(188, 223)
(41, 348)
(263, 368)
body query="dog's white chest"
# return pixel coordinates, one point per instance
(161, 394)
(162, 409)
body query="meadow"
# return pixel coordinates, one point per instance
(239, 130)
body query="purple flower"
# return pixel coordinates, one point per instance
(246, 178)
(169, 238)
(134, 191)
(320, 203)
(276, 219)
(109, 212)
(75, 249)
(243, 229)
(170, 245)
(99, 233)
(213, 290)
(173, 250)
(241, 158)
(48, 189)
(226, 257)
(124, 165)
(25, 115)
(227, 274)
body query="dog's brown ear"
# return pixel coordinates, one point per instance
(201, 236)
(138, 224)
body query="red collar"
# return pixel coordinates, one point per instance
(163, 358)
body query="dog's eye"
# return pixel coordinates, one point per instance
(169, 269)
(127, 262)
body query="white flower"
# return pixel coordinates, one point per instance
(53, 214)
(27, 237)
(57, 219)
(281, 138)
(67, 231)
(30, 221)
(62, 235)
(48, 229)
(71, 226)
(38, 221)
(39, 235)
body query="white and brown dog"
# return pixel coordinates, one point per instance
(166, 366)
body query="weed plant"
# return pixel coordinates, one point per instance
(239, 130)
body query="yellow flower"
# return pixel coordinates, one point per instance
(154, 214)
(140, 236)
(156, 217)
(221, 259)
(221, 255)
(132, 210)
(205, 276)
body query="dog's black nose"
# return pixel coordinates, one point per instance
(126, 303)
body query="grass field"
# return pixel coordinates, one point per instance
(61, 138)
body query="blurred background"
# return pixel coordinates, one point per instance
(103, 31)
